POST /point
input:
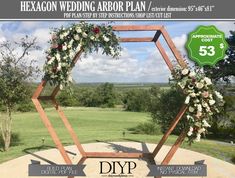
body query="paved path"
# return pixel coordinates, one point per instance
(18, 168)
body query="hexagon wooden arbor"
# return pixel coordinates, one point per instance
(160, 30)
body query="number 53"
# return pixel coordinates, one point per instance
(207, 50)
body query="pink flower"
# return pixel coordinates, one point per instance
(48, 58)
(54, 37)
(198, 115)
(54, 45)
(205, 94)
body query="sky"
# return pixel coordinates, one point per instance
(139, 62)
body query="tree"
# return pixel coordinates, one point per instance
(224, 69)
(67, 99)
(105, 95)
(166, 108)
(15, 71)
(137, 100)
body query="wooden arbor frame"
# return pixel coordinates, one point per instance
(160, 30)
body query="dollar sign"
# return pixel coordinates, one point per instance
(221, 45)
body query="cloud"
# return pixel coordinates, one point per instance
(140, 62)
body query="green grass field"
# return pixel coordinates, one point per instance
(96, 124)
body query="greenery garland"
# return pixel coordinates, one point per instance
(66, 42)
(202, 99)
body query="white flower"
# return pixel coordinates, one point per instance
(218, 94)
(204, 104)
(78, 47)
(199, 85)
(92, 37)
(51, 60)
(185, 71)
(59, 67)
(61, 86)
(205, 123)
(199, 107)
(193, 94)
(78, 29)
(190, 118)
(199, 114)
(191, 109)
(84, 35)
(201, 130)
(71, 55)
(57, 56)
(190, 132)
(70, 79)
(192, 74)
(64, 47)
(69, 46)
(187, 100)
(76, 37)
(208, 81)
(106, 39)
(181, 85)
(198, 137)
(112, 51)
(61, 36)
(211, 102)
(71, 41)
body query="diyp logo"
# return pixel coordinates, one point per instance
(117, 167)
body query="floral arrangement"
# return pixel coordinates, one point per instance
(67, 42)
(202, 99)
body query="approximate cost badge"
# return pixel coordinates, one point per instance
(206, 45)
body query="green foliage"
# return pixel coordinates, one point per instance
(87, 97)
(15, 72)
(166, 108)
(224, 69)
(67, 99)
(136, 100)
(149, 128)
(66, 42)
(101, 96)
(105, 95)
(233, 159)
(25, 106)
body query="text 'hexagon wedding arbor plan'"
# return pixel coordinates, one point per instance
(36, 98)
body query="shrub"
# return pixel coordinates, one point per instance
(149, 128)
(25, 107)
(233, 159)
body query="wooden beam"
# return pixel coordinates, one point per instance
(170, 129)
(69, 128)
(172, 47)
(157, 35)
(136, 27)
(51, 131)
(39, 89)
(174, 148)
(164, 55)
(145, 39)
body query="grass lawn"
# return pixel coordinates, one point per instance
(96, 124)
